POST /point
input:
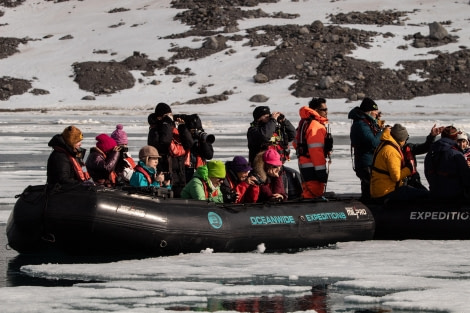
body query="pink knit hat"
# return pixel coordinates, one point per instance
(272, 157)
(119, 135)
(105, 143)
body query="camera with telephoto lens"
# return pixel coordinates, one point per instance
(193, 122)
(203, 136)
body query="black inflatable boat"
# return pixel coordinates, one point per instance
(90, 220)
(424, 219)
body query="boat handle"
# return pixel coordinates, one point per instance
(163, 244)
(50, 238)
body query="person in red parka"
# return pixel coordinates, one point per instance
(268, 184)
(101, 162)
(237, 180)
(311, 150)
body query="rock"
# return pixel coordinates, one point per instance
(211, 43)
(215, 43)
(437, 31)
(37, 91)
(259, 98)
(304, 31)
(260, 78)
(102, 77)
(202, 90)
(326, 82)
(353, 97)
(10, 86)
(317, 26)
(66, 37)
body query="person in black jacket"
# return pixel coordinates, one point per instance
(269, 129)
(411, 150)
(202, 150)
(165, 132)
(65, 164)
(446, 168)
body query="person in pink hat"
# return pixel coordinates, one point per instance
(268, 184)
(102, 160)
(125, 164)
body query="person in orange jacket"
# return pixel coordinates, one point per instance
(310, 146)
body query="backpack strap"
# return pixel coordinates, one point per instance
(380, 147)
(77, 166)
(302, 148)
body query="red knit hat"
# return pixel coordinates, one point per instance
(105, 143)
(272, 157)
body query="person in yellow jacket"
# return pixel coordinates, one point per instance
(389, 168)
(310, 146)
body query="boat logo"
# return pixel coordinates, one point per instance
(214, 219)
(353, 211)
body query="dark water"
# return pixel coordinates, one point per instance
(11, 262)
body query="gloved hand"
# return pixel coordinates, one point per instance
(381, 123)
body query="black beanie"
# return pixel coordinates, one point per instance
(368, 105)
(260, 111)
(162, 109)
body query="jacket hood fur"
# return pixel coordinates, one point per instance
(258, 167)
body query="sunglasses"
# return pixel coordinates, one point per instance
(323, 110)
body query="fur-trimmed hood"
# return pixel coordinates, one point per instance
(258, 168)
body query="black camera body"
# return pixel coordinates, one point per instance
(166, 175)
(229, 195)
(281, 118)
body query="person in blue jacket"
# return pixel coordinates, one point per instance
(145, 173)
(365, 134)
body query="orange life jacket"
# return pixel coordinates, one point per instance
(140, 169)
(77, 166)
(206, 189)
